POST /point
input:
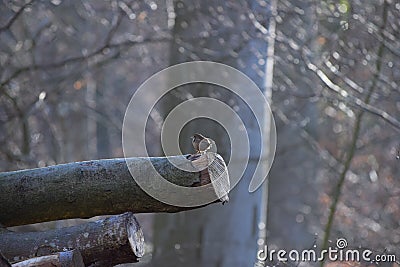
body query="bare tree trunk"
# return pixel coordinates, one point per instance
(293, 209)
(220, 236)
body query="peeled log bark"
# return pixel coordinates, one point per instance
(108, 242)
(84, 190)
(71, 258)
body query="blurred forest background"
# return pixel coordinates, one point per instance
(69, 68)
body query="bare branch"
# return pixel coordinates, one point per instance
(15, 17)
(78, 59)
(353, 100)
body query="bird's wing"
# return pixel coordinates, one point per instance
(204, 144)
(219, 176)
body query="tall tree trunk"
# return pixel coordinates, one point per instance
(221, 235)
(293, 209)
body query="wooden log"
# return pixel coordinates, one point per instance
(108, 242)
(72, 258)
(85, 189)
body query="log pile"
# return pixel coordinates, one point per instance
(83, 190)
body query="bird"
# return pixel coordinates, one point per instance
(215, 172)
(201, 143)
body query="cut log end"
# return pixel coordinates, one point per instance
(135, 236)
